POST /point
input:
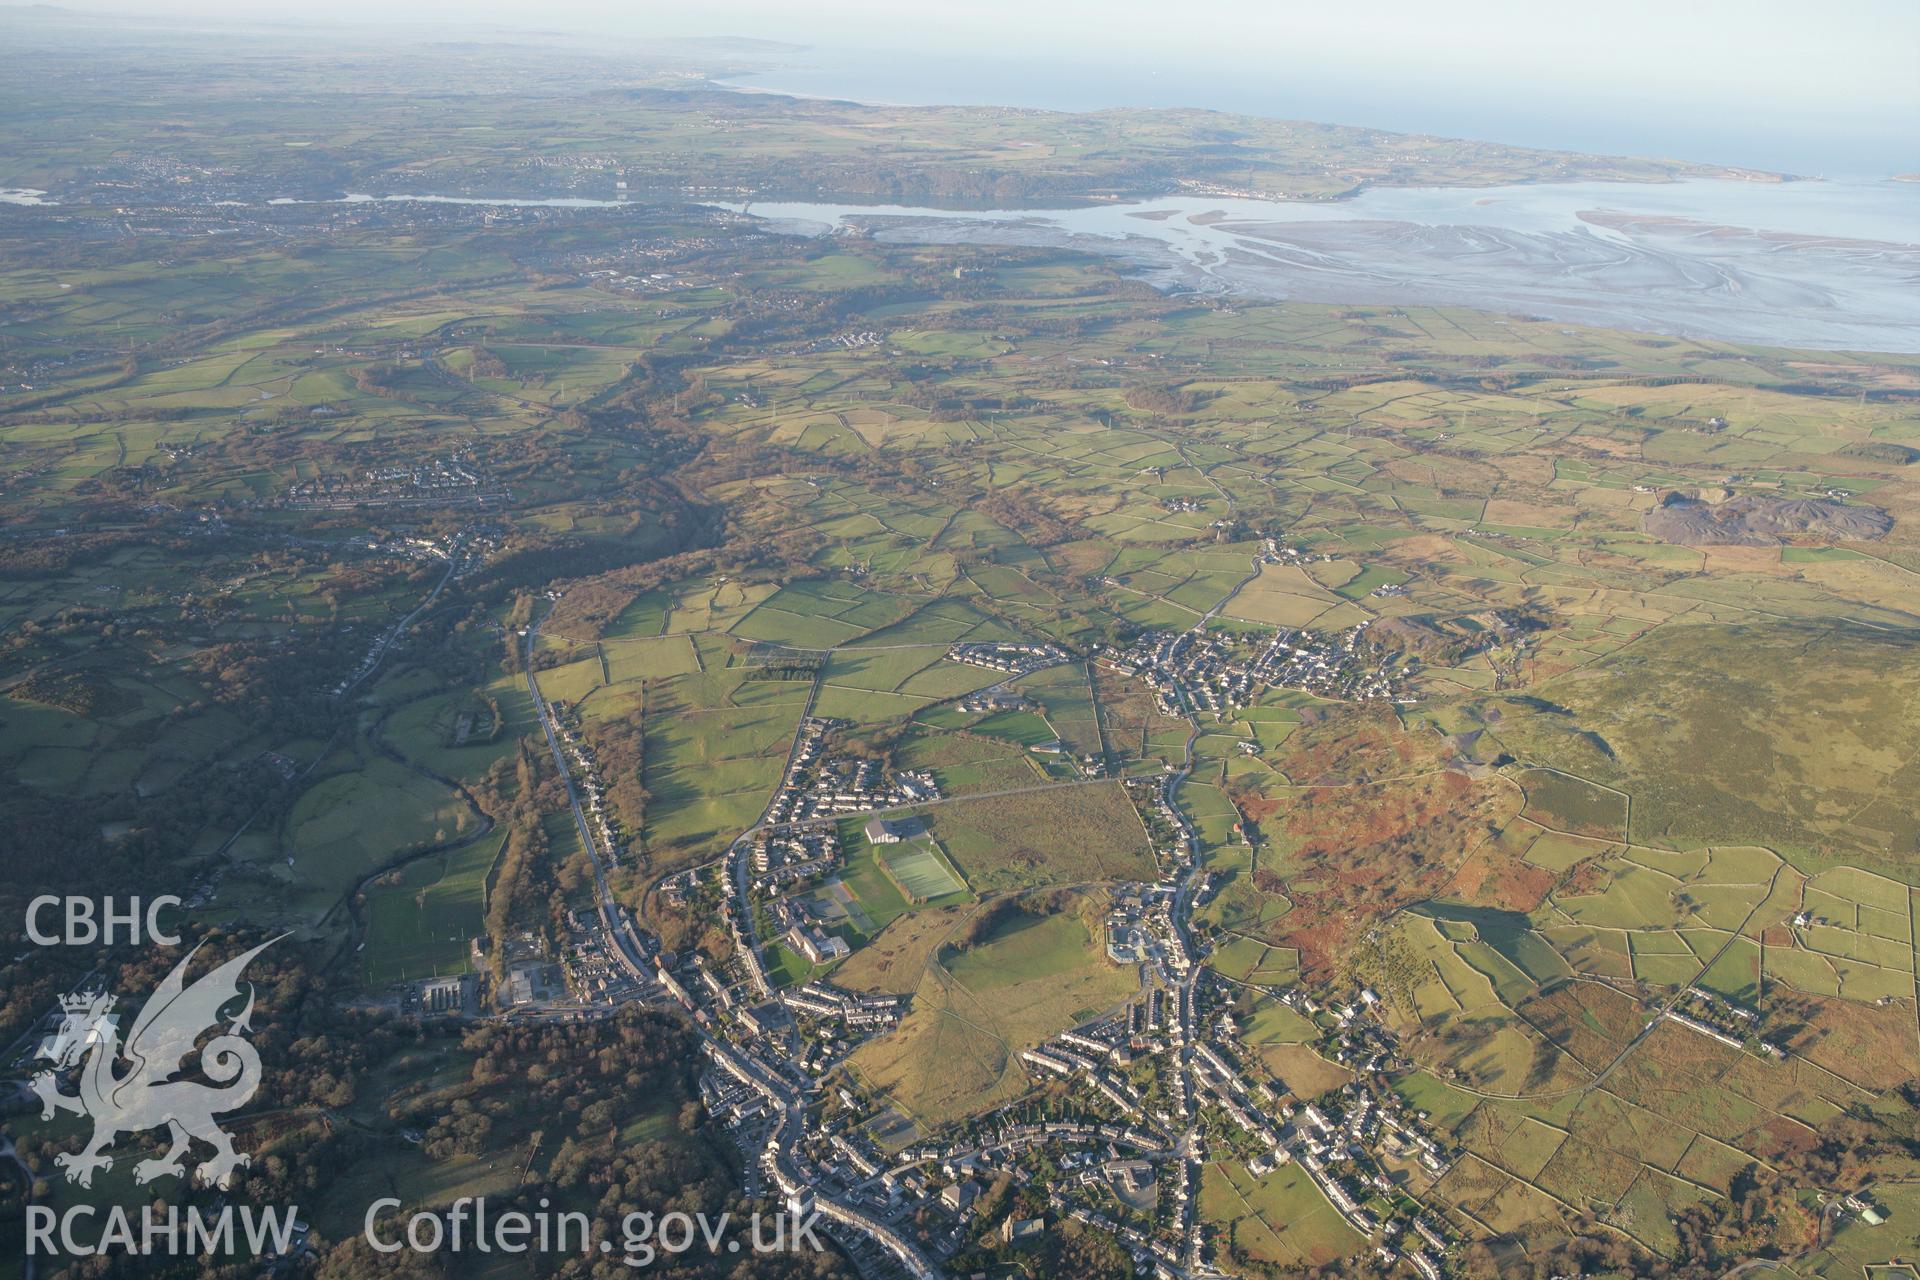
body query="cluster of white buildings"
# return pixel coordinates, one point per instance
(1015, 659)
(816, 788)
(596, 975)
(1140, 927)
(995, 699)
(1734, 1039)
(829, 1023)
(789, 854)
(640, 266)
(1273, 551)
(1198, 670)
(852, 340)
(1190, 671)
(439, 479)
(593, 787)
(854, 1009)
(804, 933)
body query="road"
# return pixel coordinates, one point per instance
(739, 868)
(1183, 895)
(1181, 449)
(455, 551)
(780, 1159)
(626, 944)
(1183, 906)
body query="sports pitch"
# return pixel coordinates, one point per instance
(922, 873)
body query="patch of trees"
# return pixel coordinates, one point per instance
(529, 887)
(53, 557)
(1170, 401)
(84, 693)
(1898, 455)
(385, 380)
(486, 364)
(1024, 516)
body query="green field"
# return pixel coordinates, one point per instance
(922, 873)
(422, 919)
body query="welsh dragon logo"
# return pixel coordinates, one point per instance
(129, 1088)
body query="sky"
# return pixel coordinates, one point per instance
(1833, 82)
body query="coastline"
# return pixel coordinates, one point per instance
(1676, 170)
(1820, 267)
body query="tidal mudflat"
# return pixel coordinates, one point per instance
(1814, 264)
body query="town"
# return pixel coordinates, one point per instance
(439, 482)
(1216, 672)
(1128, 1104)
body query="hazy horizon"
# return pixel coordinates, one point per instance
(1742, 84)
